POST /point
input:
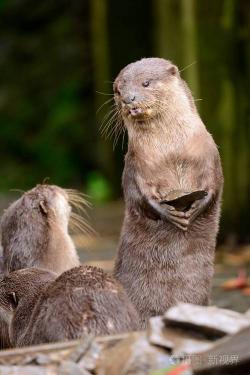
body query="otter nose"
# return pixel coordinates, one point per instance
(128, 99)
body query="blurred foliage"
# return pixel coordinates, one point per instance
(98, 188)
(55, 56)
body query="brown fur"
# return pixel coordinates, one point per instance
(161, 262)
(34, 231)
(83, 300)
(19, 292)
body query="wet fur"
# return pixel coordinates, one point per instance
(157, 263)
(80, 301)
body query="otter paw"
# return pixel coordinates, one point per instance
(175, 217)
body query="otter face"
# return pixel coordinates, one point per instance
(143, 89)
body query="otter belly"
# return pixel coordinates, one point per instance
(160, 265)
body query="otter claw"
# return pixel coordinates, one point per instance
(177, 218)
(183, 223)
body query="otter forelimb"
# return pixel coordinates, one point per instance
(170, 214)
(199, 206)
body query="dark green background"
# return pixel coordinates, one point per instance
(55, 56)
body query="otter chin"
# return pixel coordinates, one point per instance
(165, 254)
(138, 114)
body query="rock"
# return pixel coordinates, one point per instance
(71, 368)
(28, 370)
(229, 356)
(133, 356)
(91, 357)
(177, 340)
(211, 321)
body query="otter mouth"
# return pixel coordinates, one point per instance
(136, 112)
(139, 114)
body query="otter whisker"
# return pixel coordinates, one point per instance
(78, 207)
(78, 196)
(76, 192)
(188, 66)
(112, 82)
(112, 124)
(103, 93)
(111, 111)
(106, 118)
(117, 135)
(109, 124)
(123, 136)
(17, 190)
(116, 131)
(78, 223)
(107, 101)
(78, 199)
(78, 203)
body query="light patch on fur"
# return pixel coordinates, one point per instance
(5, 315)
(110, 324)
(62, 209)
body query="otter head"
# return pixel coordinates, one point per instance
(19, 291)
(30, 225)
(51, 201)
(39, 204)
(146, 89)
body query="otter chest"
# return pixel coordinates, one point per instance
(171, 174)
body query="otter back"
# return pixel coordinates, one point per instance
(83, 300)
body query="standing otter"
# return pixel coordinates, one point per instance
(84, 300)
(165, 254)
(34, 230)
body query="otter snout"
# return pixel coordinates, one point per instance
(132, 105)
(128, 99)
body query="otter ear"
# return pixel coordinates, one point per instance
(173, 70)
(43, 207)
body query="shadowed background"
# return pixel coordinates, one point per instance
(56, 57)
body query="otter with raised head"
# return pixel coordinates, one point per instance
(34, 230)
(34, 233)
(84, 300)
(165, 255)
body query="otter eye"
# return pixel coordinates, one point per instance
(145, 83)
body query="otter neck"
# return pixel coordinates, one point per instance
(61, 254)
(165, 133)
